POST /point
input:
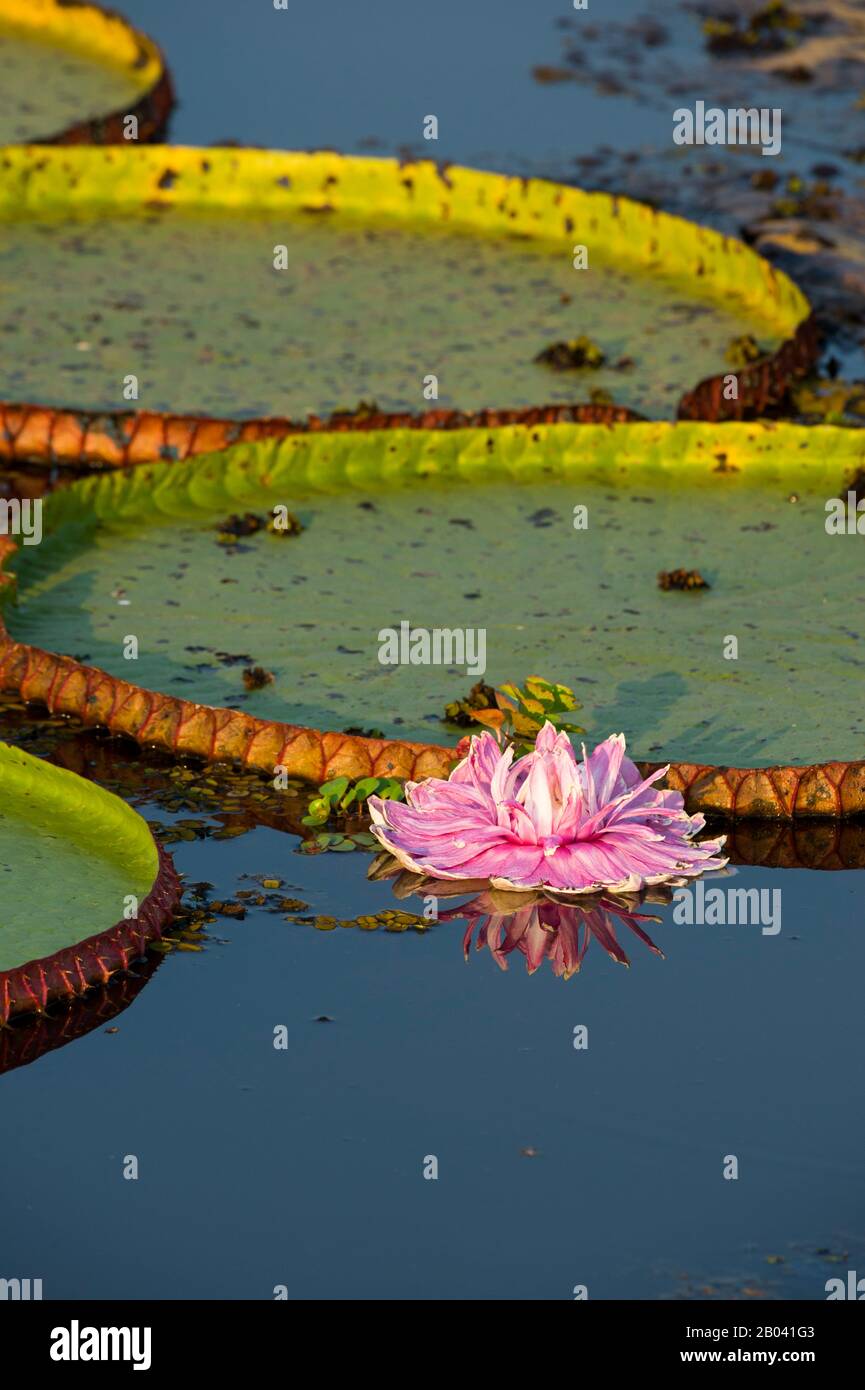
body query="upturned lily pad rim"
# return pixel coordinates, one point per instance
(47, 790)
(43, 181)
(103, 34)
(33, 1034)
(651, 454)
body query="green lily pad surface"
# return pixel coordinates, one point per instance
(581, 606)
(46, 88)
(71, 855)
(192, 305)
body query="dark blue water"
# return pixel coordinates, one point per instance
(338, 74)
(304, 1167)
(346, 75)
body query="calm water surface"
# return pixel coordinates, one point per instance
(304, 1166)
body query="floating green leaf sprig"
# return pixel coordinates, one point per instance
(341, 796)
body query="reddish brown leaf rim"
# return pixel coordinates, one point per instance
(33, 1035)
(762, 387)
(63, 686)
(152, 111)
(32, 987)
(41, 434)
(833, 789)
(119, 439)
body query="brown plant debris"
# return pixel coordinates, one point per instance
(681, 579)
(256, 678)
(572, 355)
(462, 712)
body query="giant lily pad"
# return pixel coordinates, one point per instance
(84, 885)
(274, 287)
(75, 72)
(745, 503)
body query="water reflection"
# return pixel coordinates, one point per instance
(540, 926)
(545, 930)
(31, 1036)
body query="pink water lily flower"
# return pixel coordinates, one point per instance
(546, 821)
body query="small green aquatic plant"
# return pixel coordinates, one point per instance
(341, 797)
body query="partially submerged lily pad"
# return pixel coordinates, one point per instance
(74, 72)
(459, 279)
(84, 887)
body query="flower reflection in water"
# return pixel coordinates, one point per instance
(548, 930)
(538, 925)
